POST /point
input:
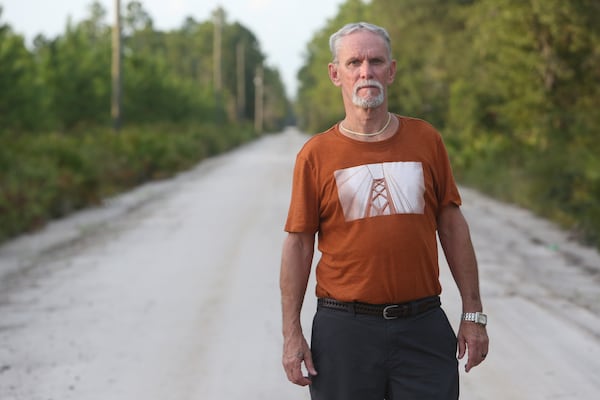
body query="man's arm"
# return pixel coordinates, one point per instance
(456, 242)
(296, 261)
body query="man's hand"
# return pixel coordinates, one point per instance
(472, 337)
(296, 351)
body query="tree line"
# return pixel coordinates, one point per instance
(63, 83)
(513, 85)
(186, 96)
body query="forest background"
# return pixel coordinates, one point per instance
(513, 85)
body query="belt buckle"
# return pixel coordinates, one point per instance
(387, 309)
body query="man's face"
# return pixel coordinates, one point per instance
(363, 69)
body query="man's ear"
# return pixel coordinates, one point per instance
(333, 74)
(393, 66)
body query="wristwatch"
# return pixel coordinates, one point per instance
(477, 317)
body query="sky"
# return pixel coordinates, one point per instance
(283, 27)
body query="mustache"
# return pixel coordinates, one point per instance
(368, 82)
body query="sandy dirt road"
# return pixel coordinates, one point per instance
(171, 292)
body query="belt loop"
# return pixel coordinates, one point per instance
(414, 308)
(351, 309)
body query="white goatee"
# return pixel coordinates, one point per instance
(368, 102)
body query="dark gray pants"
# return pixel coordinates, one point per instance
(361, 357)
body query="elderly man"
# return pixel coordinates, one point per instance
(376, 188)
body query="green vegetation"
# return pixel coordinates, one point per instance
(47, 176)
(513, 85)
(57, 151)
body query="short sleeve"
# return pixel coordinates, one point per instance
(303, 213)
(446, 188)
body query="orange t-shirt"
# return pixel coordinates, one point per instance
(374, 206)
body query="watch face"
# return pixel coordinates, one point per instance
(482, 318)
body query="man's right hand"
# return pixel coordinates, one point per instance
(295, 352)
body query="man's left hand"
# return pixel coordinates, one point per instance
(472, 337)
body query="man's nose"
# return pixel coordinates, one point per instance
(366, 70)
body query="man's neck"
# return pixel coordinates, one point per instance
(365, 119)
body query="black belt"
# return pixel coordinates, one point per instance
(387, 311)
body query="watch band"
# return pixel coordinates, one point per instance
(477, 317)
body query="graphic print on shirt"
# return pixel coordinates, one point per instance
(381, 189)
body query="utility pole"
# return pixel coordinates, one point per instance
(218, 19)
(117, 71)
(258, 102)
(241, 79)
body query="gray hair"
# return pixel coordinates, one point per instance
(334, 40)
